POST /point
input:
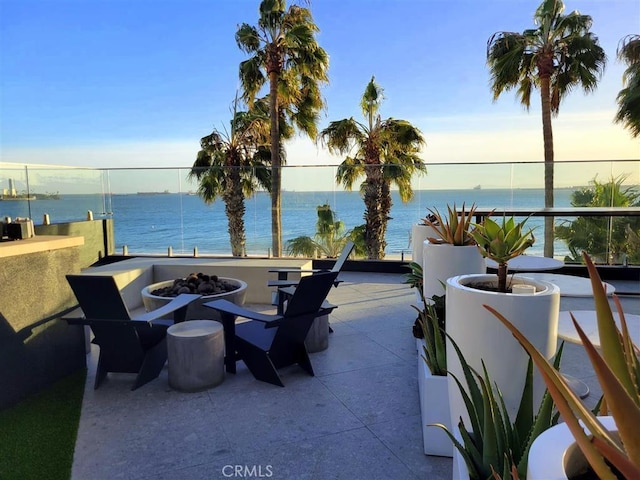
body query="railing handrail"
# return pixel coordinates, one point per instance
(560, 212)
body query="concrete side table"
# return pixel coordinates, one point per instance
(195, 351)
(318, 337)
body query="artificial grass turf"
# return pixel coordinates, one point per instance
(38, 435)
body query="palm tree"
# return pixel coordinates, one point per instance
(232, 165)
(284, 53)
(629, 97)
(607, 239)
(329, 240)
(556, 56)
(385, 152)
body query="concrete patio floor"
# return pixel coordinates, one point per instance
(358, 418)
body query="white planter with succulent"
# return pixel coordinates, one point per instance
(491, 441)
(478, 333)
(555, 455)
(451, 251)
(604, 443)
(432, 370)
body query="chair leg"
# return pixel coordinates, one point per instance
(101, 373)
(152, 365)
(304, 361)
(261, 367)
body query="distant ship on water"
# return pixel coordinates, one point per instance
(478, 187)
(165, 192)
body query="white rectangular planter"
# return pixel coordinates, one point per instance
(434, 408)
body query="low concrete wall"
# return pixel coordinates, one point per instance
(136, 273)
(99, 240)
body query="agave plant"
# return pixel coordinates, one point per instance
(454, 228)
(501, 243)
(618, 372)
(494, 446)
(430, 324)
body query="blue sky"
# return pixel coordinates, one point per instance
(137, 83)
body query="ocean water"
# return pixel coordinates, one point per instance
(152, 223)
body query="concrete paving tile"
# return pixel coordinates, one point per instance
(377, 394)
(401, 436)
(351, 352)
(265, 415)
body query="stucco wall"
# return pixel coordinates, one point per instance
(36, 347)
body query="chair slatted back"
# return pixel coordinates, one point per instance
(311, 291)
(99, 297)
(346, 251)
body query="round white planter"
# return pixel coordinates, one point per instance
(195, 311)
(549, 451)
(442, 261)
(481, 336)
(419, 234)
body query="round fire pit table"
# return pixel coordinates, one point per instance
(195, 310)
(195, 352)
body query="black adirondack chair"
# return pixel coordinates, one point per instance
(267, 343)
(130, 345)
(284, 281)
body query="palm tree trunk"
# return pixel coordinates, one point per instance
(374, 217)
(276, 178)
(234, 208)
(547, 134)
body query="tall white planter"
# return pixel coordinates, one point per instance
(548, 452)
(434, 408)
(442, 261)
(481, 336)
(419, 234)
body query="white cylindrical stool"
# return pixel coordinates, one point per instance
(195, 351)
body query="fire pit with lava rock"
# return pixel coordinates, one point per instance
(211, 287)
(198, 283)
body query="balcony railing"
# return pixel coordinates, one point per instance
(157, 208)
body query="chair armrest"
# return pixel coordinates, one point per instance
(294, 270)
(282, 283)
(283, 273)
(181, 301)
(326, 308)
(225, 306)
(115, 321)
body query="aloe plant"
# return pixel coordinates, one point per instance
(431, 324)
(454, 228)
(493, 445)
(501, 243)
(618, 372)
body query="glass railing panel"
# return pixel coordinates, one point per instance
(82, 190)
(154, 209)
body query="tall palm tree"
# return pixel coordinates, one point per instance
(232, 165)
(385, 152)
(284, 53)
(629, 97)
(556, 56)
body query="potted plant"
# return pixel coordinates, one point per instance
(477, 332)
(490, 442)
(432, 368)
(419, 233)
(452, 251)
(605, 442)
